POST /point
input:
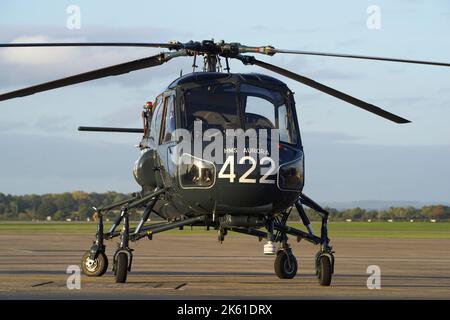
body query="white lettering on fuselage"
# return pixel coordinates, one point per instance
(247, 150)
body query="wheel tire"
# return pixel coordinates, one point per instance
(324, 271)
(95, 268)
(282, 268)
(121, 267)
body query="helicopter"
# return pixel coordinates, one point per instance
(243, 186)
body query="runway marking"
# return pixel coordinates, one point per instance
(42, 284)
(20, 250)
(180, 286)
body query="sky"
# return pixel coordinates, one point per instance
(350, 154)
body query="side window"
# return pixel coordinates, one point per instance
(156, 121)
(285, 128)
(259, 113)
(169, 120)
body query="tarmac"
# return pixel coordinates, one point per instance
(191, 266)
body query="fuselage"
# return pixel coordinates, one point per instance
(224, 144)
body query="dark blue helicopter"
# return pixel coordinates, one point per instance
(220, 150)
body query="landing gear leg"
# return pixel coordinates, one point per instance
(94, 262)
(285, 262)
(123, 257)
(324, 258)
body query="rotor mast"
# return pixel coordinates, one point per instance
(210, 63)
(210, 51)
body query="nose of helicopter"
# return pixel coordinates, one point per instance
(247, 191)
(249, 184)
(251, 197)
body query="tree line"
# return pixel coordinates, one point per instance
(426, 213)
(75, 205)
(78, 206)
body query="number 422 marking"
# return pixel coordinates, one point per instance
(229, 162)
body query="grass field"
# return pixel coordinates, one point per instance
(336, 229)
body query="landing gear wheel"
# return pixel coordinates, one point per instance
(285, 265)
(96, 267)
(121, 267)
(324, 271)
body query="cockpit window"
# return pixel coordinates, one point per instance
(214, 105)
(262, 108)
(267, 109)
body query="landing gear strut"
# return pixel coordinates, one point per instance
(95, 262)
(123, 257)
(324, 258)
(285, 262)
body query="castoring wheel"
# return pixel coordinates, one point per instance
(121, 269)
(285, 265)
(324, 271)
(96, 267)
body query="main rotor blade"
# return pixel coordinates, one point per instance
(328, 90)
(271, 51)
(352, 56)
(93, 44)
(114, 70)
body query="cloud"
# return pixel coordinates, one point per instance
(316, 137)
(405, 101)
(126, 116)
(95, 33)
(352, 42)
(9, 125)
(38, 56)
(21, 67)
(330, 74)
(52, 123)
(314, 67)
